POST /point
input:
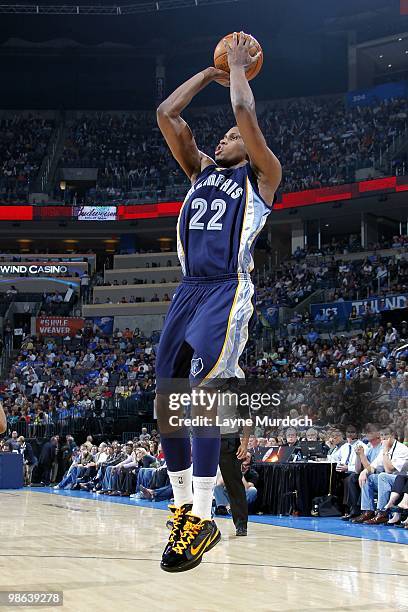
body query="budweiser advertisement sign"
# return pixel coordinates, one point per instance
(96, 213)
(58, 326)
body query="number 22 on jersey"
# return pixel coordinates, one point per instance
(200, 205)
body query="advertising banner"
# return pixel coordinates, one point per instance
(100, 325)
(269, 315)
(96, 213)
(58, 326)
(385, 91)
(39, 269)
(342, 310)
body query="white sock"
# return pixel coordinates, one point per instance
(203, 496)
(182, 486)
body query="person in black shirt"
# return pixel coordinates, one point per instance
(225, 498)
(230, 490)
(30, 460)
(47, 457)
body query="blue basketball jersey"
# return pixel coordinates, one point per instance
(219, 222)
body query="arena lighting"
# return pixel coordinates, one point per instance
(129, 9)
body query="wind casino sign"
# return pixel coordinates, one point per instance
(49, 268)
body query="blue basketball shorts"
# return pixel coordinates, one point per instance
(206, 330)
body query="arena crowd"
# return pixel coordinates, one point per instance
(320, 142)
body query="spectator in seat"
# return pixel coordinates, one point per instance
(391, 334)
(128, 334)
(70, 475)
(160, 488)
(107, 472)
(378, 478)
(70, 480)
(121, 470)
(364, 457)
(312, 435)
(92, 468)
(347, 452)
(335, 441)
(291, 436)
(399, 493)
(145, 460)
(4, 446)
(13, 441)
(144, 435)
(89, 442)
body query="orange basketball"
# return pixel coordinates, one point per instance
(221, 57)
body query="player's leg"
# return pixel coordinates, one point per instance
(176, 445)
(218, 333)
(172, 368)
(173, 364)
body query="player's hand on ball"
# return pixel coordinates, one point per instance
(238, 49)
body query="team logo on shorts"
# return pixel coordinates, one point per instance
(196, 366)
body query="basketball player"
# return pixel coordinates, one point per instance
(206, 327)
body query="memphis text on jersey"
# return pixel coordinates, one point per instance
(229, 186)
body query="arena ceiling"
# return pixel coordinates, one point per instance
(109, 61)
(106, 8)
(160, 17)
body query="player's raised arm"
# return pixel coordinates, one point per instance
(265, 164)
(176, 131)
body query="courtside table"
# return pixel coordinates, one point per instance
(11, 471)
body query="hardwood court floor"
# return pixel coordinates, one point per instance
(105, 557)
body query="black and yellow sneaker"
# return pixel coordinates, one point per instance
(196, 537)
(175, 523)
